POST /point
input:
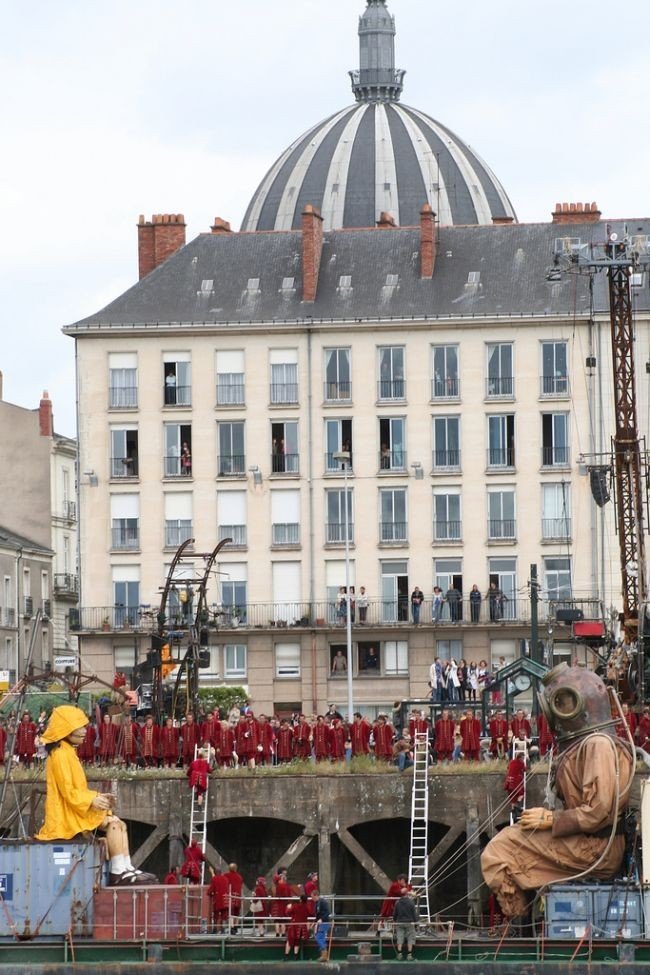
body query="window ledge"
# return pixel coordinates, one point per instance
(294, 475)
(170, 407)
(135, 550)
(389, 401)
(133, 479)
(229, 406)
(443, 400)
(394, 471)
(506, 469)
(554, 397)
(501, 541)
(561, 540)
(339, 546)
(552, 468)
(336, 403)
(442, 471)
(446, 541)
(338, 474)
(402, 543)
(235, 548)
(175, 478)
(289, 547)
(123, 409)
(284, 406)
(228, 477)
(174, 548)
(510, 398)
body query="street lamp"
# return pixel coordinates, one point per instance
(343, 457)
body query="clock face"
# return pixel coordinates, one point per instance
(522, 682)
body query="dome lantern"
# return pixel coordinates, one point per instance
(377, 80)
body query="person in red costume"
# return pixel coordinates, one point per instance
(388, 904)
(298, 928)
(470, 732)
(302, 739)
(171, 878)
(127, 741)
(260, 905)
(281, 893)
(197, 774)
(247, 739)
(444, 740)
(235, 887)
(107, 741)
(169, 744)
(322, 737)
(338, 738)
(25, 746)
(630, 720)
(311, 883)
(418, 724)
(514, 782)
(86, 751)
(284, 745)
(193, 859)
(643, 731)
(191, 735)
(384, 734)
(266, 739)
(225, 745)
(210, 729)
(498, 735)
(520, 726)
(150, 742)
(218, 894)
(547, 740)
(360, 735)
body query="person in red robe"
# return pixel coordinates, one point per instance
(149, 742)
(302, 738)
(630, 720)
(470, 732)
(418, 724)
(235, 887)
(360, 735)
(260, 905)
(171, 878)
(225, 745)
(127, 741)
(338, 738)
(547, 740)
(247, 739)
(384, 734)
(520, 726)
(321, 736)
(197, 774)
(86, 750)
(25, 746)
(191, 736)
(514, 782)
(266, 740)
(444, 740)
(643, 731)
(193, 859)
(107, 741)
(169, 744)
(388, 904)
(210, 729)
(298, 928)
(498, 735)
(3, 742)
(311, 883)
(218, 894)
(284, 744)
(281, 893)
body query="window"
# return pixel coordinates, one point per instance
(395, 592)
(446, 443)
(446, 515)
(448, 575)
(446, 649)
(392, 441)
(125, 521)
(334, 580)
(557, 575)
(284, 448)
(392, 506)
(234, 589)
(556, 510)
(502, 596)
(338, 383)
(500, 376)
(555, 440)
(178, 450)
(177, 368)
(284, 376)
(396, 657)
(124, 452)
(338, 439)
(391, 372)
(126, 595)
(230, 378)
(445, 384)
(285, 517)
(287, 660)
(235, 660)
(501, 513)
(335, 515)
(123, 380)
(231, 517)
(232, 459)
(555, 372)
(178, 519)
(501, 441)
(286, 581)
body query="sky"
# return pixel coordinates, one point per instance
(115, 108)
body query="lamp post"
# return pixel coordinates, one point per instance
(343, 457)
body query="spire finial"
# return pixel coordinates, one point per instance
(377, 79)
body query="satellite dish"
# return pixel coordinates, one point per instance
(613, 237)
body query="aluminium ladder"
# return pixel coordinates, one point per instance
(419, 854)
(199, 818)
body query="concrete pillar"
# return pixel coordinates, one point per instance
(474, 875)
(324, 860)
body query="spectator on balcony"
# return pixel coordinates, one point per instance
(435, 680)
(496, 600)
(371, 660)
(384, 461)
(472, 681)
(170, 387)
(475, 603)
(453, 599)
(462, 679)
(341, 604)
(186, 461)
(436, 604)
(362, 604)
(417, 598)
(339, 663)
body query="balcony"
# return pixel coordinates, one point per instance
(335, 466)
(125, 538)
(392, 532)
(175, 534)
(554, 387)
(123, 397)
(446, 460)
(285, 463)
(285, 535)
(28, 607)
(124, 467)
(337, 392)
(556, 456)
(236, 532)
(556, 529)
(502, 529)
(447, 531)
(500, 458)
(500, 387)
(231, 465)
(70, 510)
(448, 388)
(231, 394)
(284, 394)
(335, 533)
(177, 395)
(392, 460)
(66, 585)
(391, 389)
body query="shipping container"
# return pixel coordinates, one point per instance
(594, 911)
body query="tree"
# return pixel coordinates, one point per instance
(223, 698)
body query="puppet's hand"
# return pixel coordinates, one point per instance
(536, 818)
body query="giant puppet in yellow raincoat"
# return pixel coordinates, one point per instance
(71, 807)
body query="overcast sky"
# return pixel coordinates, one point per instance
(112, 108)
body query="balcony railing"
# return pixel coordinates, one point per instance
(392, 460)
(285, 463)
(392, 531)
(388, 389)
(335, 466)
(556, 456)
(231, 394)
(70, 510)
(446, 460)
(124, 466)
(46, 609)
(65, 584)
(501, 528)
(236, 532)
(123, 397)
(125, 537)
(556, 528)
(288, 534)
(178, 395)
(501, 457)
(175, 534)
(554, 386)
(231, 465)
(9, 616)
(319, 613)
(497, 387)
(448, 388)
(447, 531)
(284, 393)
(28, 606)
(335, 532)
(174, 467)
(334, 392)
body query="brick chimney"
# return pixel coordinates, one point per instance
(502, 220)
(312, 249)
(576, 213)
(220, 226)
(386, 221)
(427, 241)
(45, 416)
(158, 239)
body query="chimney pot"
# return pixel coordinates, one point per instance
(386, 220)
(158, 239)
(428, 245)
(220, 226)
(45, 416)
(312, 250)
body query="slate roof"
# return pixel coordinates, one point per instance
(500, 270)
(9, 539)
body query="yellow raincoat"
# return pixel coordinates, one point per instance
(68, 800)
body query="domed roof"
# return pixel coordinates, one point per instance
(378, 156)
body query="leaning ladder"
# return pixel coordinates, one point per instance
(419, 855)
(197, 923)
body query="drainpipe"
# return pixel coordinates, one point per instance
(19, 558)
(593, 528)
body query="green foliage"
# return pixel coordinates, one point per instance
(223, 698)
(37, 701)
